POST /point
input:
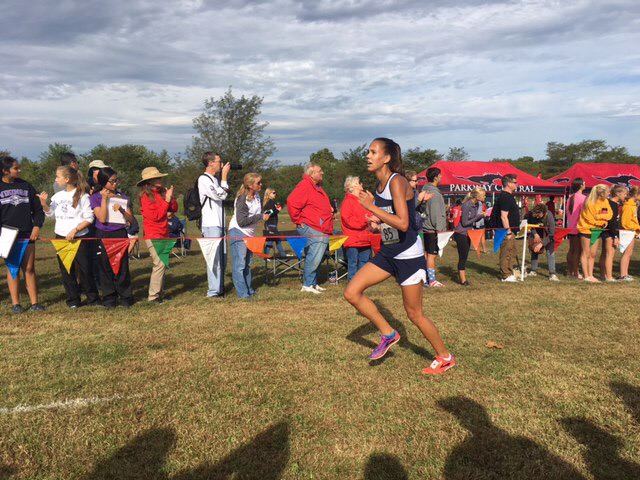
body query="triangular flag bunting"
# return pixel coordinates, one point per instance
(475, 236)
(595, 235)
(498, 238)
(336, 241)
(67, 251)
(163, 248)
(376, 242)
(297, 244)
(256, 246)
(559, 236)
(14, 260)
(116, 249)
(209, 249)
(625, 239)
(443, 239)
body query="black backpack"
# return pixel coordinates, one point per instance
(192, 205)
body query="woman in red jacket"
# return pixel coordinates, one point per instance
(155, 202)
(353, 217)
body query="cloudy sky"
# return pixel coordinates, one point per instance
(500, 78)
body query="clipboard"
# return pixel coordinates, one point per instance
(8, 237)
(113, 216)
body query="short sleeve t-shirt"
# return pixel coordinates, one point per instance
(506, 203)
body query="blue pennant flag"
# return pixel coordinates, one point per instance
(14, 260)
(297, 244)
(499, 238)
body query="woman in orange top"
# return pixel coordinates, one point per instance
(596, 213)
(629, 221)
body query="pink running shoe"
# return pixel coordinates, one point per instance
(384, 345)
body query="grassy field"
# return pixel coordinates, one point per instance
(281, 387)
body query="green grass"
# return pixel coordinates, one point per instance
(281, 387)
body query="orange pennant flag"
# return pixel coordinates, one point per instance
(256, 245)
(475, 236)
(559, 236)
(116, 249)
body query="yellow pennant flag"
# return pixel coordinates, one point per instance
(335, 242)
(67, 251)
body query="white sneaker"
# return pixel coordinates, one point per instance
(554, 278)
(310, 290)
(319, 288)
(532, 273)
(510, 279)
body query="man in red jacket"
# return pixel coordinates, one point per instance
(310, 210)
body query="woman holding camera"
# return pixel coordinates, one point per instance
(247, 213)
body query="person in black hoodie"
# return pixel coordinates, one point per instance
(20, 208)
(271, 206)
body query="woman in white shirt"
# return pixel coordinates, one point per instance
(247, 213)
(73, 215)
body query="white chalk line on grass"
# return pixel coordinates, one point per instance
(72, 403)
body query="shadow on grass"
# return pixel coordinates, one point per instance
(357, 336)
(6, 471)
(383, 466)
(630, 395)
(490, 452)
(603, 450)
(265, 457)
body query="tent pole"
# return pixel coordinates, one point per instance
(524, 251)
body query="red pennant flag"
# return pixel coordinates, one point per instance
(475, 236)
(116, 249)
(256, 246)
(376, 242)
(559, 236)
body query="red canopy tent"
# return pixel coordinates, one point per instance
(459, 178)
(627, 174)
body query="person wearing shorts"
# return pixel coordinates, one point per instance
(392, 212)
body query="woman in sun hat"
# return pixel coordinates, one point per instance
(155, 202)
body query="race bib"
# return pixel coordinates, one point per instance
(389, 234)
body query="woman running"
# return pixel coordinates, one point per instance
(401, 254)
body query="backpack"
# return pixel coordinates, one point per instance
(192, 205)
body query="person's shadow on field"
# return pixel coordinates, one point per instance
(358, 336)
(630, 395)
(6, 471)
(383, 466)
(264, 458)
(490, 452)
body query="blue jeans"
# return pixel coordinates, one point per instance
(356, 258)
(215, 277)
(313, 252)
(240, 265)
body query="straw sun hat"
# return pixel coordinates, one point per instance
(150, 173)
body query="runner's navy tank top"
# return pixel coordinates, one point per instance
(394, 242)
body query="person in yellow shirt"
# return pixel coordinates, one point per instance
(629, 221)
(596, 213)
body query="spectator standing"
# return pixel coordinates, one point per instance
(72, 211)
(213, 193)
(155, 202)
(629, 221)
(574, 207)
(542, 239)
(247, 213)
(113, 286)
(611, 236)
(435, 220)
(506, 214)
(311, 212)
(67, 159)
(596, 213)
(353, 218)
(470, 214)
(271, 206)
(20, 208)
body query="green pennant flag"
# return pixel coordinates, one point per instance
(595, 235)
(163, 249)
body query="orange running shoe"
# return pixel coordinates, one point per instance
(439, 365)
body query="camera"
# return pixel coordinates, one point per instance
(236, 166)
(268, 212)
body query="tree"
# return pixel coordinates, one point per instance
(457, 154)
(419, 160)
(230, 126)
